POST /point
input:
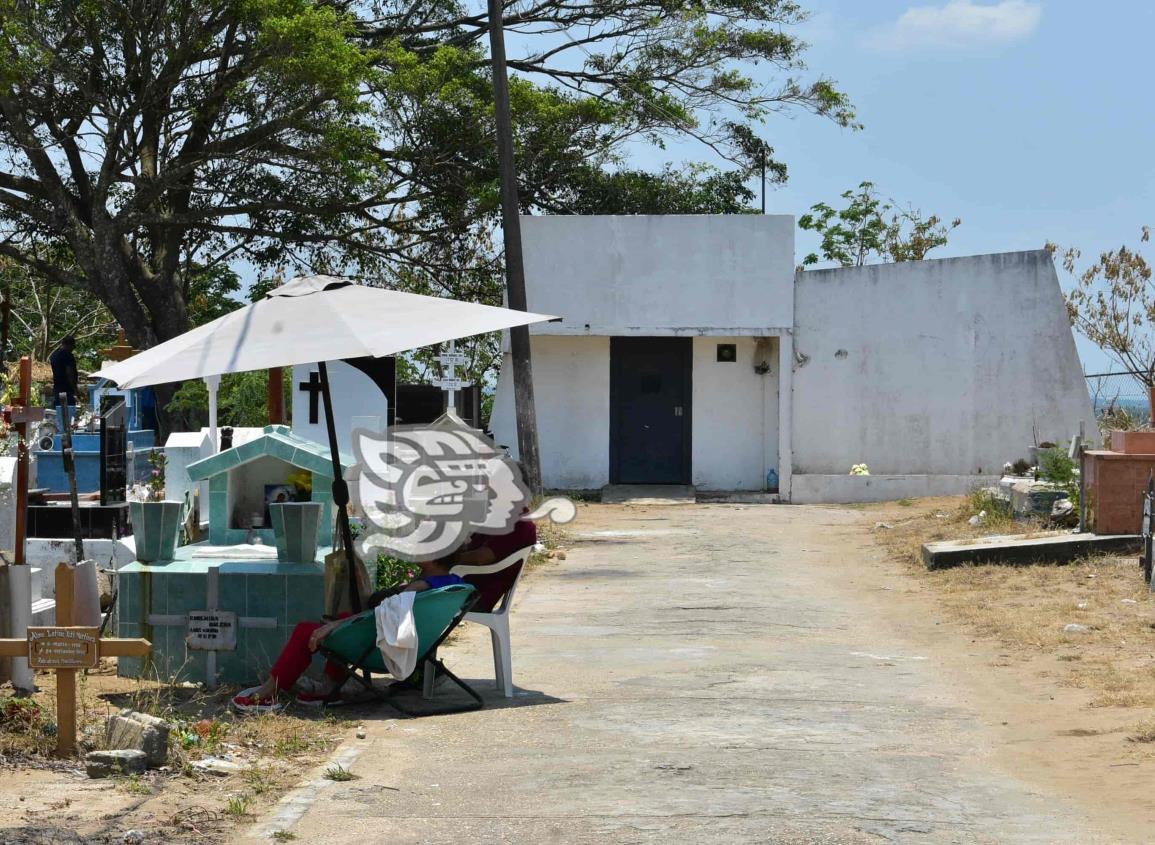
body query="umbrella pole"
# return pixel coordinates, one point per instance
(340, 490)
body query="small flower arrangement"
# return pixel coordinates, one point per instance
(302, 484)
(152, 489)
(860, 469)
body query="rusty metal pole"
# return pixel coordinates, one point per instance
(276, 396)
(5, 324)
(22, 462)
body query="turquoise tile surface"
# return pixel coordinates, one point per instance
(186, 591)
(305, 598)
(231, 592)
(128, 598)
(232, 669)
(265, 596)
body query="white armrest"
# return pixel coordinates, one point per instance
(464, 569)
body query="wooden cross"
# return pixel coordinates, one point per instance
(313, 388)
(66, 648)
(119, 351)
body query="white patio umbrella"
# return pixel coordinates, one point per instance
(315, 318)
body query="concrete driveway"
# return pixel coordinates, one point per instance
(691, 674)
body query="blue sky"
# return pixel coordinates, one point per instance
(1029, 119)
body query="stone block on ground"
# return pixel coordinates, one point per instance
(103, 764)
(140, 732)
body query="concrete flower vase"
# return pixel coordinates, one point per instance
(155, 528)
(295, 529)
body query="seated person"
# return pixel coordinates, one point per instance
(484, 549)
(297, 654)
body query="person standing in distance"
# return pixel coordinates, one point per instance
(64, 376)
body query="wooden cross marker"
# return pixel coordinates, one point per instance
(65, 648)
(119, 351)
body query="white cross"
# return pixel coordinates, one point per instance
(451, 360)
(213, 592)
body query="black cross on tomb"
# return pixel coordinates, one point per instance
(313, 388)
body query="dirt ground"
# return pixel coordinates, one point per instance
(1072, 707)
(45, 800)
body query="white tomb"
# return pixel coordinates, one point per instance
(357, 403)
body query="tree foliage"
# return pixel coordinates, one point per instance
(143, 141)
(42, 314)
(1112, 304)
(871, 227)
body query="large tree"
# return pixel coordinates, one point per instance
(144, 141)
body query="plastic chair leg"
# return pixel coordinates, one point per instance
(502, 656)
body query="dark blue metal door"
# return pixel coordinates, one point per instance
(650, 383)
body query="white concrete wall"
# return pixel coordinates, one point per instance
(735, 415)
(357, 403)
(571, 383)
(941, 368)
(181, 449)
(8, 506)
(652, 275)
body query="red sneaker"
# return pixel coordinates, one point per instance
(246, 702)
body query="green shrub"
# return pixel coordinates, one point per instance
(393, 572)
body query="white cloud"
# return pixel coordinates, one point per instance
(958, 25)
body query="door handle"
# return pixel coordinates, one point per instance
(677, 410)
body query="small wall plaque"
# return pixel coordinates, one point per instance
(211, 630)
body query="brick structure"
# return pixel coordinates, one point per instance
(1116, 481)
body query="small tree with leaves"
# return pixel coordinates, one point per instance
(870, 226)
(1113, 305)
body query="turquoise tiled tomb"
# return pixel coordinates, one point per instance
(237, 476)
(267, 596)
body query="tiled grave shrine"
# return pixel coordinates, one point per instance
(221, 610)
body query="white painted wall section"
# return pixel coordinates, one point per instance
(357, 403)
(659, 275)
(571, 383)
(735, 414)
(945, 368)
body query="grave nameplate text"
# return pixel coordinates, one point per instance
(63, 648)
(211, 630)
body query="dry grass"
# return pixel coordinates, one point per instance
(1027, 608)
(201, 720)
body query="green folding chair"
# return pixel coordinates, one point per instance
(436, 613)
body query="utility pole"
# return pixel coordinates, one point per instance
(763, 162)
(514, 266)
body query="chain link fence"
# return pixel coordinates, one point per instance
(1120, 400)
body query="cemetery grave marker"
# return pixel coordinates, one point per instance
(211, 630)
(65, 649)
(451, 360)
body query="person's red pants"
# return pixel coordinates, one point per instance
(295, 658)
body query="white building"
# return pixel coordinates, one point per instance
(690, 352)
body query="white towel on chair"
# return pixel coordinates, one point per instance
(397, 634)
